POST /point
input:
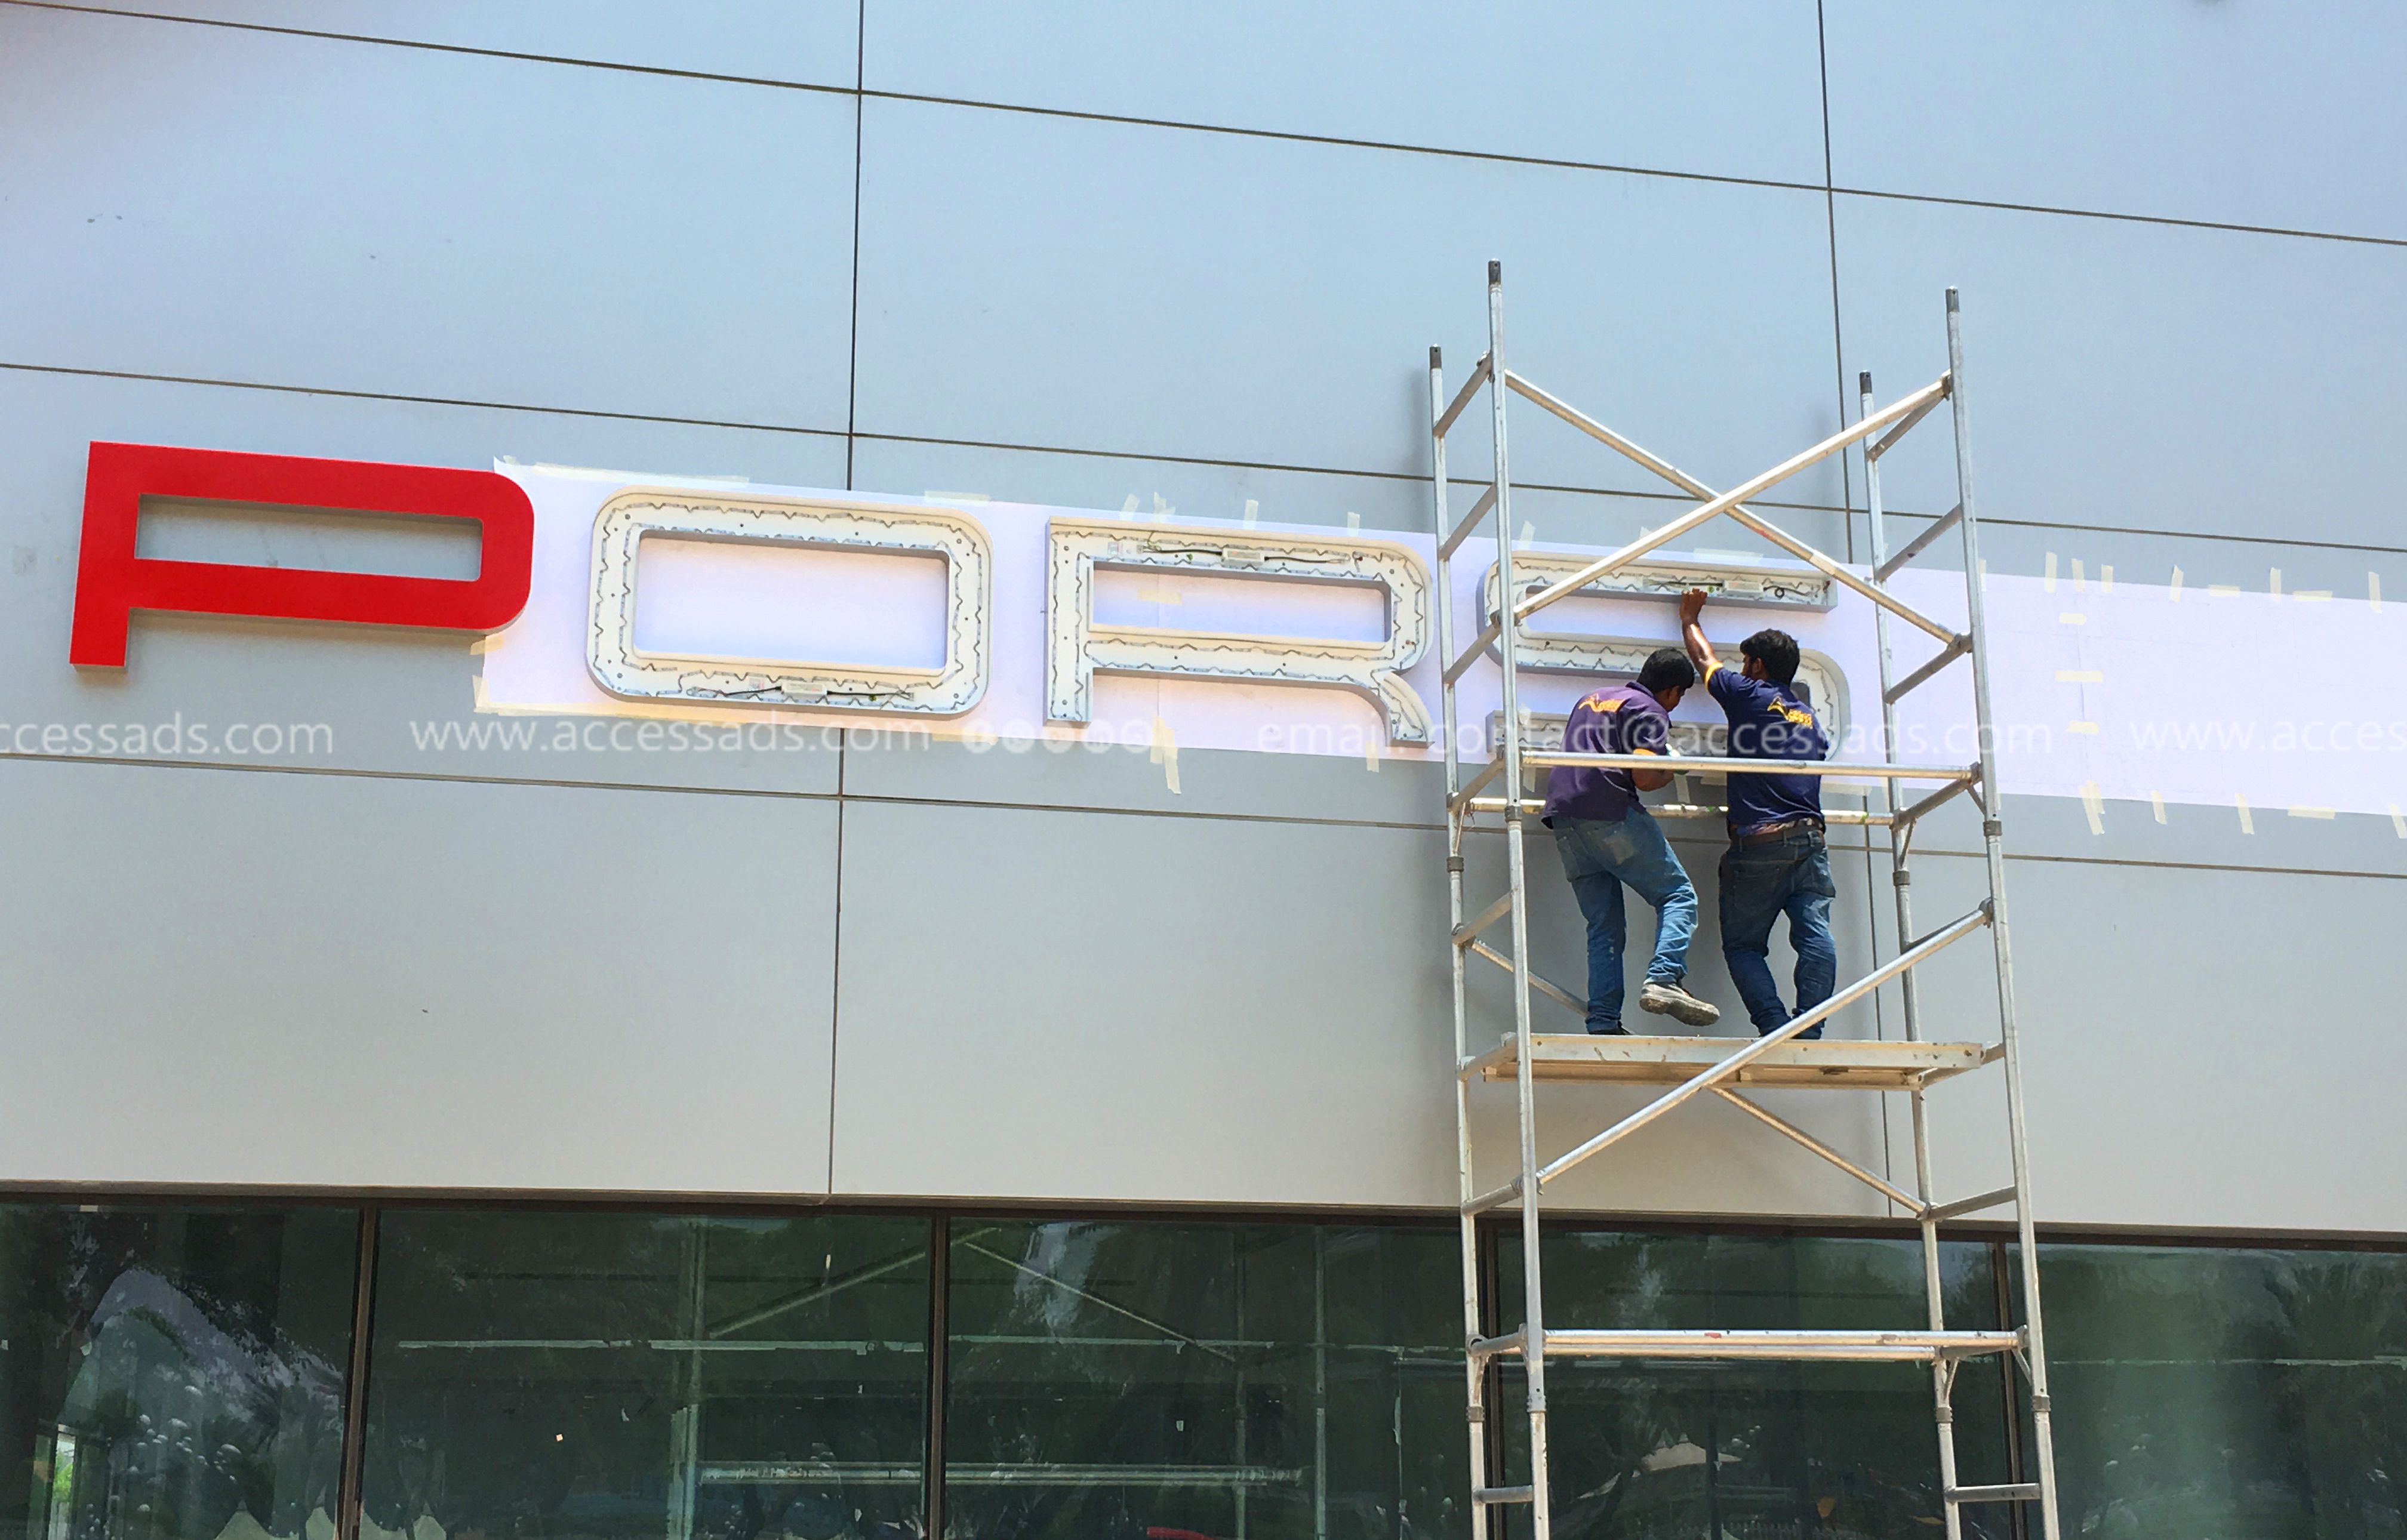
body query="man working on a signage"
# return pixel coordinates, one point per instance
(1778, 863)
(1607, 837)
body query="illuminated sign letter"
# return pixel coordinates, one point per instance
(112, 582)
(623, 669)
(1077, 648)
(1588, 652)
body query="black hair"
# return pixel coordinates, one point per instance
(1776, 651)
(1669, 668)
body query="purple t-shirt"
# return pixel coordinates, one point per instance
(1622, 719)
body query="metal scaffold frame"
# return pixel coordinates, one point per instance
(1694, 1068)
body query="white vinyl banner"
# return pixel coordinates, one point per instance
(1009, 623)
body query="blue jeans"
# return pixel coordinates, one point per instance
(1598, 857)
(1788, 875)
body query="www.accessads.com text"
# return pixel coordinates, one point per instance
(173, 738)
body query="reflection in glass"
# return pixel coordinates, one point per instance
(2248, 1393)
(173, 1373)
(1677, 1447)
(1170, 1381)
(661, 1377)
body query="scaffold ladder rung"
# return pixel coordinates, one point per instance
(1847, 1347)
(2012, 1491)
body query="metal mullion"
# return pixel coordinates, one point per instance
(1507, 627)
(940, 1281)
(348, 1494)
(2000, 936)
(2012, 1410)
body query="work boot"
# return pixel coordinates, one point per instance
(1679, 1004)
(1616, 1030)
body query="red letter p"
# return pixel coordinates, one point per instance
(112, 582)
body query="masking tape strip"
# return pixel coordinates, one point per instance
(1165, 754)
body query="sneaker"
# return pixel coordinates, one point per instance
(1679, 1004)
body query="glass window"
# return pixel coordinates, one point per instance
(622, 1375)
(174, 1372)
(1169, 1381)
(2236, 1393)
(1693, 1447)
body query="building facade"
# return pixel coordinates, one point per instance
(422, 1124)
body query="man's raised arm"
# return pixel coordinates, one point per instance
(1692, 634)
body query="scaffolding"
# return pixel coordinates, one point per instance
(1695, 1067)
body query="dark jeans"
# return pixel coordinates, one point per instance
(1598, 858)
(1788, 875)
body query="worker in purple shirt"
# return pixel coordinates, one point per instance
(1778, 863)
(1607, 837)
